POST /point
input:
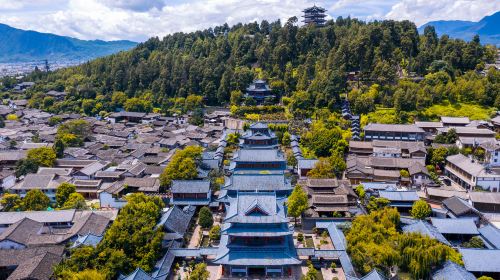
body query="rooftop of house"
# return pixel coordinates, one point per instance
(190, 186)
(455, 226)
(480, 260)
(451, 270)
(455, 120)
(400, 128)
(423, 227)
(399, 195)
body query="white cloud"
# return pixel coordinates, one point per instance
(136, 5)
(141, 19)
(423, 11)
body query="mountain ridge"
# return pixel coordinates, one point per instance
(17, 45)
(487, 28)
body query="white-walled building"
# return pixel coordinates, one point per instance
(469, 173)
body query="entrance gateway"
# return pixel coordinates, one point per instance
(256, 271)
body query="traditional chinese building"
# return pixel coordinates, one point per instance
(256, 239)
(259, 90)
(314, 15)
(259, 136)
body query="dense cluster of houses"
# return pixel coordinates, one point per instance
(129, 150)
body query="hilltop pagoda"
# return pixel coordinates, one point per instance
(315, 16)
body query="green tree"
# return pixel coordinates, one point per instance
(75, 201)
(73, 133)
(63, 192)
(42, 156)
(312, 273)
(474, 242)
(297, 202)
(11, 202)
(59, 148)
(420, 210)
(88, 274)
(199, 272)
(404, 173)
(377, 203)
(214, 233)
(35, 200)
(205, 219)
(183, 165)
(438, 156)
(25, 166)
(286, 140)
(485, 278)
(322, 169)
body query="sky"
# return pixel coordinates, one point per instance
(138, 20)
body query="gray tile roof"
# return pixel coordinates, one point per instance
(35, 181)
(452, 271)
(455, 226)
(59, 216)
(427, 229)
(190, 186)
(457, 206)
(481, 260)
(39, 267)
(265, 181)
(255, 155)
(399, 195)
(409, 128)
(176, 220)
(491, 235)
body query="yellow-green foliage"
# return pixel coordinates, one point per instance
(183, 165)
(473, 111)
(374, 242)
(381, 115)
(11, 117)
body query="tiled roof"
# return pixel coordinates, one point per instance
(455, 226)
(399, 195)
(481, 260)
(409, 128)
(39, 267)
(491, 235)
(190, 186)
(427, 229)
(452, 271)
(457, 205)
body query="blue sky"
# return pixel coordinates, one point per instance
(140, 19)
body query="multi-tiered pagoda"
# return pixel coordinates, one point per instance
(260, 91)
(314, 15)
(256, 239)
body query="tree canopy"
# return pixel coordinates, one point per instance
(297, 202)
(132, 241)
(183, 165)
(42, 156)
(373, 241)
(308, 64)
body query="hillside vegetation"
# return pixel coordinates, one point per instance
(308, 65)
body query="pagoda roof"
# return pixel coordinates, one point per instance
(256, 208)
(314, 9)
(262, 181)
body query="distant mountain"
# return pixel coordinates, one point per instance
(18, 45)
(487, 28)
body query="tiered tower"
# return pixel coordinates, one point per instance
(314, 15)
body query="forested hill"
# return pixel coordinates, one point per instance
(21, 45)
(309, 63)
